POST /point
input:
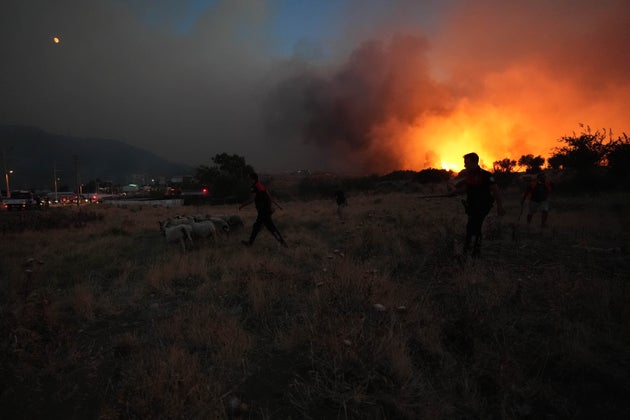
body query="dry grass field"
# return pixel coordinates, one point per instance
(377, 316)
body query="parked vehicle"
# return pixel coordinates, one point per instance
(20, 200)
(66, 198)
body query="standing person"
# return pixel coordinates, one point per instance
(263, 202)
(481, 191)
(538, 192)
(342, 202)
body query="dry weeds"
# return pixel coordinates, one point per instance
(374, 316)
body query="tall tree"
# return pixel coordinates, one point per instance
(533, 164)
(505, 165)
(503, 171)
(227, 178)
(583, 152)
(232, 164)
(619, 156)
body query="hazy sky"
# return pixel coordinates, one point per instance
(349, 85)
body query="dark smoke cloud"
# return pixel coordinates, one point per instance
(568, 59)
(383, 80)
(338, 109)
(584, 41)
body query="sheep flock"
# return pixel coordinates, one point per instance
(186, 230)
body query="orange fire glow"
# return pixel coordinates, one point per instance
(485, 82)
(516, 95)
(519, 112)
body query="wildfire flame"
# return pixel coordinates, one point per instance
(479, 86)
(509, 120)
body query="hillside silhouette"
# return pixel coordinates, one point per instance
(35, 155)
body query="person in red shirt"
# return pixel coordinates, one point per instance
(538, 193)
(481, 192)
(263, 202)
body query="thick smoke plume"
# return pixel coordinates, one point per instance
(357, 86)
(500, 78)
(352, 110)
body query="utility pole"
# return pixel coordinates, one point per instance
(76, 179)
(55, 181)
(6, 177)
(7, 171)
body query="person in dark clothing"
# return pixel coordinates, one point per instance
(342, 202)
(263, 202)
(481, 192)
(538, 193)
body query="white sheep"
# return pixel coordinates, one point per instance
(204, 229)
(234, 221)
(181, 234)
(221, 224)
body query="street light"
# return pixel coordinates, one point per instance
(6, 177)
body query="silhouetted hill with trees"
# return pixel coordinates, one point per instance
(35, 155)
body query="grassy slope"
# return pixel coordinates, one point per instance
(102, 319)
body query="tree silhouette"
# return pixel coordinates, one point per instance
(503, 171)
(533, 164)
(505, 165)
(619, 156)
(228, 178)
(583, 152)
(234, 165)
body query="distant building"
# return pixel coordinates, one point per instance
(131, 188)
(140, 179)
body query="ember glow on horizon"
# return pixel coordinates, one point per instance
(354, 86)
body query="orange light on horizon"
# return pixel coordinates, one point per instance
(451, 166)
(440, 142)
(56, 40)
(514, 113)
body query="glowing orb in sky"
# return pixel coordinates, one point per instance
(56, 40)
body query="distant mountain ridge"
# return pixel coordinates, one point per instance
(36, 155)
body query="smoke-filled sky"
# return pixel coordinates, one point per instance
(358, 86)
